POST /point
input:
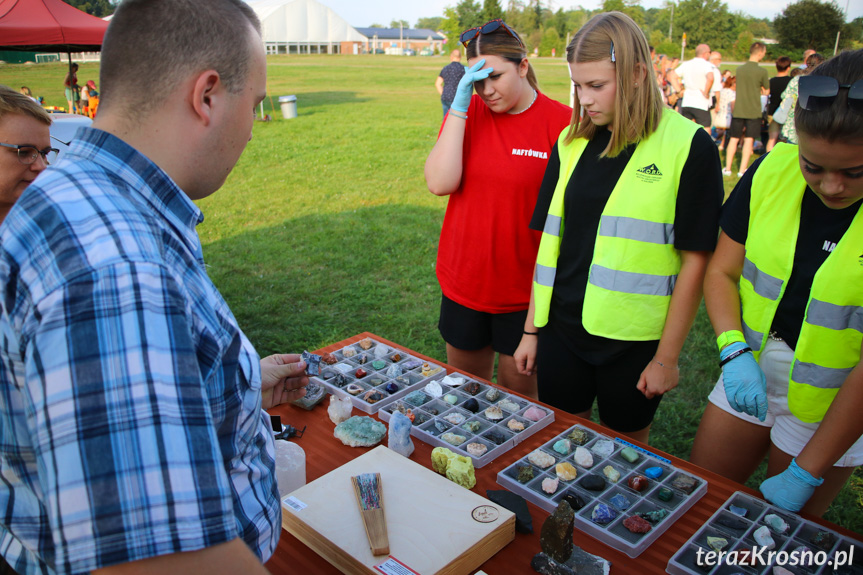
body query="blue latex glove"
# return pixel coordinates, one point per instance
(791, 489)
(465, 85)
(745, 384)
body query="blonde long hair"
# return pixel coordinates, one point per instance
(637, 110)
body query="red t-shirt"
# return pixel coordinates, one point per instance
(487, 251)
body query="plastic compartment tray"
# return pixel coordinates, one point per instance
(613, 533)
(434, 412)
(799, 534)
(349, 361)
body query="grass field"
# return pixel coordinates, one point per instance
(325, 227)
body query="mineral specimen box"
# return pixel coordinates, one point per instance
(435, 526)
(615, 487)
(376, 375)
(471, 418)
(800, 546)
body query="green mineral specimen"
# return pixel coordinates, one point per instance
(579, 437)
(471, 426)
(525, 473)
(629, 454)
(665, 494)
(360, 431)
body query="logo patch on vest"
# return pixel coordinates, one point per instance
(649, 174)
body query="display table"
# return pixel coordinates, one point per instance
(325, 453)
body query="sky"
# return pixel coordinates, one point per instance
(362, 13)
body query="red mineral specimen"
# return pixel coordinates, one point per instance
(329, 358)
(361, 373)
(638, 482)
(636, 524)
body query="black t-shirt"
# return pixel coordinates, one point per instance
(777, 86)
(696, 225)
(451, 75)
(821, 228)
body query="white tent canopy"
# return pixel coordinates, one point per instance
(307, 23)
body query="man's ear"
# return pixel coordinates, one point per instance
(205, 89)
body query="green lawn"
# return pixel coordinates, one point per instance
(325, 227)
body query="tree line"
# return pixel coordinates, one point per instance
(802, 25)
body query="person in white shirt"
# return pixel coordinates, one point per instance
(696, 78)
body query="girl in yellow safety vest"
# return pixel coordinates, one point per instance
(629, 211)
(785, 295)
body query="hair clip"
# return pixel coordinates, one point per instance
(613, 59)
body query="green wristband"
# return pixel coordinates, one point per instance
(728, 337)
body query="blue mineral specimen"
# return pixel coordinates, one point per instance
(400, 434)
(653, 472)
(602, 514)
(620, 501)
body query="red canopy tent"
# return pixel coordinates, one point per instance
(48, 25)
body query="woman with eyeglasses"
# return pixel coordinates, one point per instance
(25, 145)
(489, 160)
(784, 292)
(629, 211)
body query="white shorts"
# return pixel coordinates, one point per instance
(787, 432)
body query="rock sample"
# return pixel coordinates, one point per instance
(339, 409)
(602, 514)
(559, 556)
(565, 471)
(476, 449)
(611, 473)
(583, 457)
(456, 468)
(540, 458)
(776, 523)
(556, 535)
(763, 538)
(550, 485)
(313, 363)
(636, 524)
(399, 439)
(360, 431)
(603, 447)
(534, 413)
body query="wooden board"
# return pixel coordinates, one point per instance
(429, 518)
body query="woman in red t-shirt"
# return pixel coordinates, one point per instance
(489, 160)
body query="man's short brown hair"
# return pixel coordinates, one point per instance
(153, 45)
(14, 102)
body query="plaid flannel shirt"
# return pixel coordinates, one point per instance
(130, 405)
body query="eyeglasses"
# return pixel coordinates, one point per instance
(817, 93)
(28, 155)
(488, 28)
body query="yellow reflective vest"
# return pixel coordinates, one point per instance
(830, 337)
(634, 263)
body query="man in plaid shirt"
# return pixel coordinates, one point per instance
(131, 427)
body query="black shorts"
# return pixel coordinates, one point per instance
(468, 329)
(752, 126)
(570, 383)
(700, 116)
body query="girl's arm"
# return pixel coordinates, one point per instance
(444, 165)
(661, 374)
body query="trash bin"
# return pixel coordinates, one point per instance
(289, 106)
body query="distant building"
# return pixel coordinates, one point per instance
(305, 27)
(397, 40)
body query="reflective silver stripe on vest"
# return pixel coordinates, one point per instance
(544, 275)
(552, 225)
(753, 338)
(832, 316)
(640, 230)
(764, 284)
(630, 282)
(819, 376)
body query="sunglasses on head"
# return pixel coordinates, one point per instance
(817, 93)
(488, 28)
